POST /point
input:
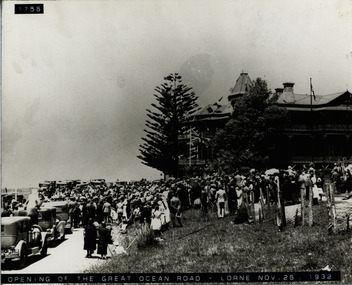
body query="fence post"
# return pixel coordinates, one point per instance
(252, 206)
(348, 222)
(333, 210)
(261, 199)
(310, 206)
(303, 199)
(328, 196)
(280, 206)
(267, 196)
(245, 201)
(296, 219)
(260, 216)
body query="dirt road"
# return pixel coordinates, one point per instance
(67, 257)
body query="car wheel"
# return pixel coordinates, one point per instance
(44, 250)
(23, 257)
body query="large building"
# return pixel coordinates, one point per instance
(320, 127)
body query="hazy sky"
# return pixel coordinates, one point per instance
(77, 79)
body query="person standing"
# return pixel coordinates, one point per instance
(104, 237)
(119, 210)
(175, 208)
(156, 223)
(106, 210)
(76, 216)
(33, 203)
(90, 236)
(71, 208)
(91, 210)
(220, 198)
(204, 204)
(232, 200)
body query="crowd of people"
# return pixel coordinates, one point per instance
(159, 204)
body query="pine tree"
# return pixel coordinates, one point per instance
(161, 148)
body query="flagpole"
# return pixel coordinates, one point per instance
(311, 100)
(311, 119)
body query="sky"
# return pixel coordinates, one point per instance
(77, 80)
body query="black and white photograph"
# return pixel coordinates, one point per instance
(177, 142)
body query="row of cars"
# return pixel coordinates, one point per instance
(21, 239)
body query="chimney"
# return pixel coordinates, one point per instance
(288, 87)
(288, 95)
(279, 91)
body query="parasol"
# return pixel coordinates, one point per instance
(272, 171)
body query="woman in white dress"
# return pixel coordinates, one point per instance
(156, 221)
(166, 214)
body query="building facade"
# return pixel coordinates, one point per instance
(319, 128)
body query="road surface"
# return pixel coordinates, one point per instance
(67, 257)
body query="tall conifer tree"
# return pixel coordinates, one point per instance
(161, 148)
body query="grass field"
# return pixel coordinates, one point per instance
(221, 247)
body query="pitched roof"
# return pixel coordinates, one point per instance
(304, 100)
(214, 110)
(243, 83)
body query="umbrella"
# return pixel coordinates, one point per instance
(272, 171)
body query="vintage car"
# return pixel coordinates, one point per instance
(48, 221)
(62, 213)
(19, 240)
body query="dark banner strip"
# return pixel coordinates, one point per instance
(172, 277)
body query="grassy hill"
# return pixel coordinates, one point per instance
(221, 247)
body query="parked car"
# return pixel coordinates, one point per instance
(49, 223)
(19, 240)
(62, 213)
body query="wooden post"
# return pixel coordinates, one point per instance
(348, 222)
(328, 196)
(260, 216)
(252, 206)
(267, 197)
(280, 206)
(310, 207)
(303, 199)
(261, 199)
(296, 219)
(333, 210)
(282, 202)
(245, 200)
